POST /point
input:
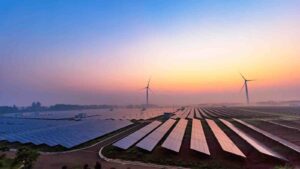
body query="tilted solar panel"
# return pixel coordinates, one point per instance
(63, 132)
(203, 113)
(191, 115)
(198, 115)
(174, 140)
(253, 142)
(198, 140)
(149, 142)
(225, 142)
(130, 140)
(271, 136)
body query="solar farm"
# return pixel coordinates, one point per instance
(189, 136)
(63, 129)
(217, 137)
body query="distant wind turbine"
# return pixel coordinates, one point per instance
(147, 92)
(246, 87)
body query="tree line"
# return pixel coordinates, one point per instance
(38, 107)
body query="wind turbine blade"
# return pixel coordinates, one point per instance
(149, 81)
(251, 80)
(242, 88)
(242, 76)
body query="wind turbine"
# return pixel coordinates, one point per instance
(147, 92)
(246, 87)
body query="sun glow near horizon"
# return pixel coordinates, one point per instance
(188, 49)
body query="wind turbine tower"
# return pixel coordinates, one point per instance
(147, 92)
(246, 88)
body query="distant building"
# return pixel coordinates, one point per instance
(80, 116)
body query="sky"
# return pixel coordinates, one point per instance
(104, 52)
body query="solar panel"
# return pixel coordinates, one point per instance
(184, 114)
(149, 142)
(211, 113)
(217, 113)
(253, 142)
(174, 140)
(198, 140)
(203, 113)
(271, 136)
(191, 115)
(177, 114)
(130, 140)
(117, 113)
(225, 142)
(198, 115)
(66, 133)
(282, 125)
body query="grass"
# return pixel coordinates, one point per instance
(7, 163)
(283, 167)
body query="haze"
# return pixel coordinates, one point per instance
(103, 52)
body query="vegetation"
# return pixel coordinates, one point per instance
(283, 167)
(37, 106)
(7, 163)
(8, 109)
(26, 157)
(3, 148)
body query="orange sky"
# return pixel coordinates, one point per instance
(107, 52)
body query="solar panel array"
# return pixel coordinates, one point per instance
(117, 114)
(191, 115)
(56, 132)
(29, 128)
(177, 114)
(130, 140)
(198, 115)
(61, 128)
(253, 142)
(225, 142)
(149, 142)
(198, 140)
(271, 136)
(174, 140)
(55, 114)
(203, 113)
(283, 125)
(185, 114)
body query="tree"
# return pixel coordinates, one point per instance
(98, 165)
(27, 157)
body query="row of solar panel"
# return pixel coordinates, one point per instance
(98, 113)
(198, 140)
(191, 113)
(57, 132)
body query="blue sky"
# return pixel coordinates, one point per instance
(49, 48)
